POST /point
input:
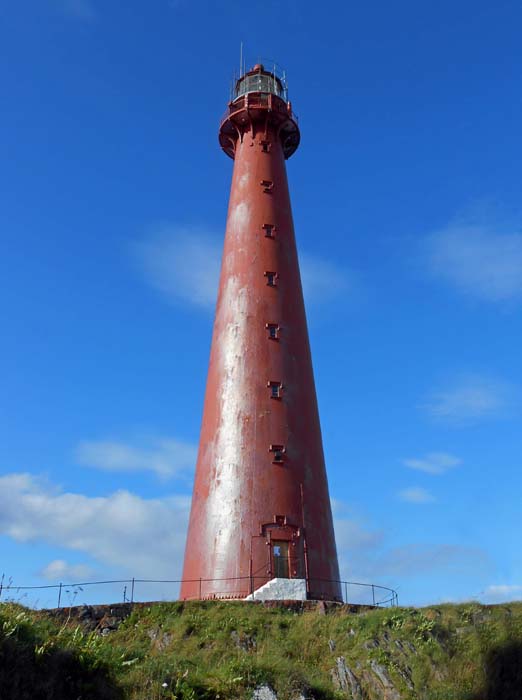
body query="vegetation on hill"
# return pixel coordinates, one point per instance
(210, 650)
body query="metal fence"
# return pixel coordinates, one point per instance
(132, 590)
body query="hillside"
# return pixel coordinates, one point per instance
(210, 650)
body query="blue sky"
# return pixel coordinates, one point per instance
(406, 196)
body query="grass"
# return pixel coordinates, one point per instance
(208, 650)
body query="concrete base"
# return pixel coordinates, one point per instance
(281, 589)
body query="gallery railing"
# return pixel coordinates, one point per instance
(69, 594)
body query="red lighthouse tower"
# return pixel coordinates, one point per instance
(260, 507)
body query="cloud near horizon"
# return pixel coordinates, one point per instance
(121, 531)
(498, 593)
(60, 570)
(124, 534)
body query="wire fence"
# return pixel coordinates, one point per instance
(143, 590)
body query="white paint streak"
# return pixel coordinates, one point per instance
(239, 218)
(244, 180)
(224, 491)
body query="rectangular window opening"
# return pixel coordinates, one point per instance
(271, 278)
(267, 186)
(269, 230)
(276, 389)
(265, 146)
(273, 331)
(278, 452)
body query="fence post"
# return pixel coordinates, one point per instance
(132, 591)
(200, 588)
(346, 592)
(373, 593)
(60, 594)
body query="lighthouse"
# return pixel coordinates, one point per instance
(261, 522)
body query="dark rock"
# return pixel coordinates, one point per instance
(243, 641)
(371, 644)
(345, 680)
(390, 691)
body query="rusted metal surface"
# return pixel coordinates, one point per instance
(260, 475)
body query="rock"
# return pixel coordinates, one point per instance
(303, 695)
(164, 642)
(264, 692)
(411, 647)
(351, 632)
(243, 641)
(390, 691)
(344, 679)
(331, 644)
(371, 644)
(406, 675)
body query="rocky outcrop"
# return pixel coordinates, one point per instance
(344, 679)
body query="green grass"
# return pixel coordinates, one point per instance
(209, 650)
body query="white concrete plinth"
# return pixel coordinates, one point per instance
(281, 589)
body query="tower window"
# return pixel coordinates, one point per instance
(267, 186)
(269, 230)
(278, 452)
(271, 278)
(276, 389)
(265, 146)
(273, 331)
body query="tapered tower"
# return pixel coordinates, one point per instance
(260, 507)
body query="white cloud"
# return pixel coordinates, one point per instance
(184, 263)
(121, 531)
(322, 280)
(416, 494)
(469, 399)
(181, 263)
(131, 536)
(417, 559)
(502, 592)
(80, 9)
(165, 457)
(479, 260)
(366, 555)
(350, 532)
(60, 570)
(433, 463)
